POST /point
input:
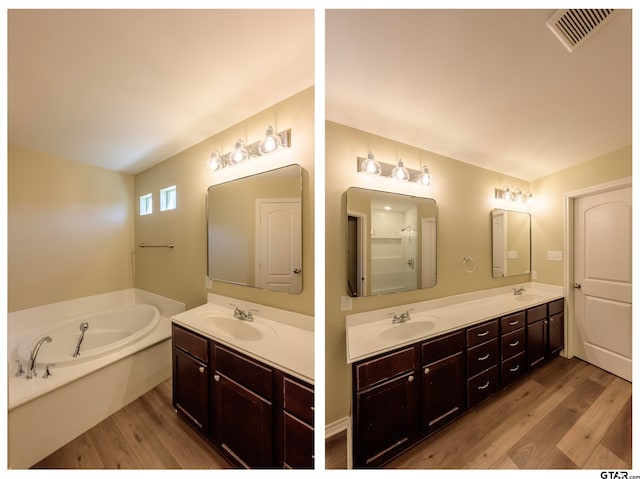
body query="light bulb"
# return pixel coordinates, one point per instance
(400, 172)
(239, 154)
(270, 142)
(370, 165)
(424, 178)
(506, 194)
(518, 196)
(215, 162)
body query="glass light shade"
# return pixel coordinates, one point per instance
(270, 142)
(400, 172)
(424, 178)
(506, 194)
(239, 154)
(371, 165)
(215, 162)
(518, 196)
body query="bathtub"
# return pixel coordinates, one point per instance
(107, 331)
(126, 352)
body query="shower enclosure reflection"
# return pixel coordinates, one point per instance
(391, 242)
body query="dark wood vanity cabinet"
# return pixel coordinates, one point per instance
(402, 396)
(386, 405)
(254, 414)
(190, 378)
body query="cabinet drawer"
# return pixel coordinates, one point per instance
(298, 400)
(556, 307)
(513, 368)
(442, 347)
(385, 367)
(243, 370)
(298, 443)
(513, 343)
(191, 343)
(536, 314)
(482, 386)
(512, 322)
(482, 357)
(481, 333)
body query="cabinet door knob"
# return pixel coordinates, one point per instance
(427, 370)
(201, 369)
(410, 378)
(216, 378)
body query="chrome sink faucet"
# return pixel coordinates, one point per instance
(519, 291)
(31, 370)
(402, 318)
(243, 315)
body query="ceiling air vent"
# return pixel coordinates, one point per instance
(574, 26)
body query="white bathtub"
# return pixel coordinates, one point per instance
(108, 331)
(125, 352)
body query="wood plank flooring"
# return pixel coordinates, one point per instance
(146, 434)
(567, 414)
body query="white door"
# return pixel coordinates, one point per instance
(279, 245)
(602, 274)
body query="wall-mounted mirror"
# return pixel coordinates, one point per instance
(511, 243)
(391, 242)
(254, 230)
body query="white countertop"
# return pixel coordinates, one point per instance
(372, 332)
(278, 344)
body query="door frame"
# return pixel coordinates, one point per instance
(569, 235)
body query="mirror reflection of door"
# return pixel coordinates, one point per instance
(356, 254)
(278, 244)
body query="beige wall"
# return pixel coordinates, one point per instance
(465, 197)
(547, 213)
(179, 273)
(70, 229)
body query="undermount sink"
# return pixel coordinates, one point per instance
(236, 328)
(407, 330)
(528, 298)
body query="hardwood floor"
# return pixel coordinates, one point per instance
(567, 414)
(146, 434)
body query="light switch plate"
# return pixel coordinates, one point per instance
(554, 255)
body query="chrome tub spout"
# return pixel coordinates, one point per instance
(31, 370)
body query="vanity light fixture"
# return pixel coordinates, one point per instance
(516, 195)
(371, 166)
(241, 152)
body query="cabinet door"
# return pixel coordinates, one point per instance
(298, 443)
(556, 333)
(385, 421)
(243, 423)
(190, 390)
(536, 343)
(443, 390)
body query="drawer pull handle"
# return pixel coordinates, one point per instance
(201, 369)
(410, 378)
(485, 386)
(513, 323)
(513, 370)
(513, 345)
(485, 357)
(216, 378)
(427, 370)
(483, 334)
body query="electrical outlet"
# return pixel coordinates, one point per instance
(346, 303)
(554, 255)
(534, 275)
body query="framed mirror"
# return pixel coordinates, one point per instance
(391, 242)
(254, 230)
(510, 242)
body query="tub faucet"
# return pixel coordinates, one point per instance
(83, 328)
(402, 317)
(31, 370)
(519, 291)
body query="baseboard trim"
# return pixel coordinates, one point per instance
(337, 427)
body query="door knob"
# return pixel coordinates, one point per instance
(577, 285)
(297, 271)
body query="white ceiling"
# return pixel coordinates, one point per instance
(494, 88)
(126, 89)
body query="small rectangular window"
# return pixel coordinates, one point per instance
(168, 198)
(146, 203)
